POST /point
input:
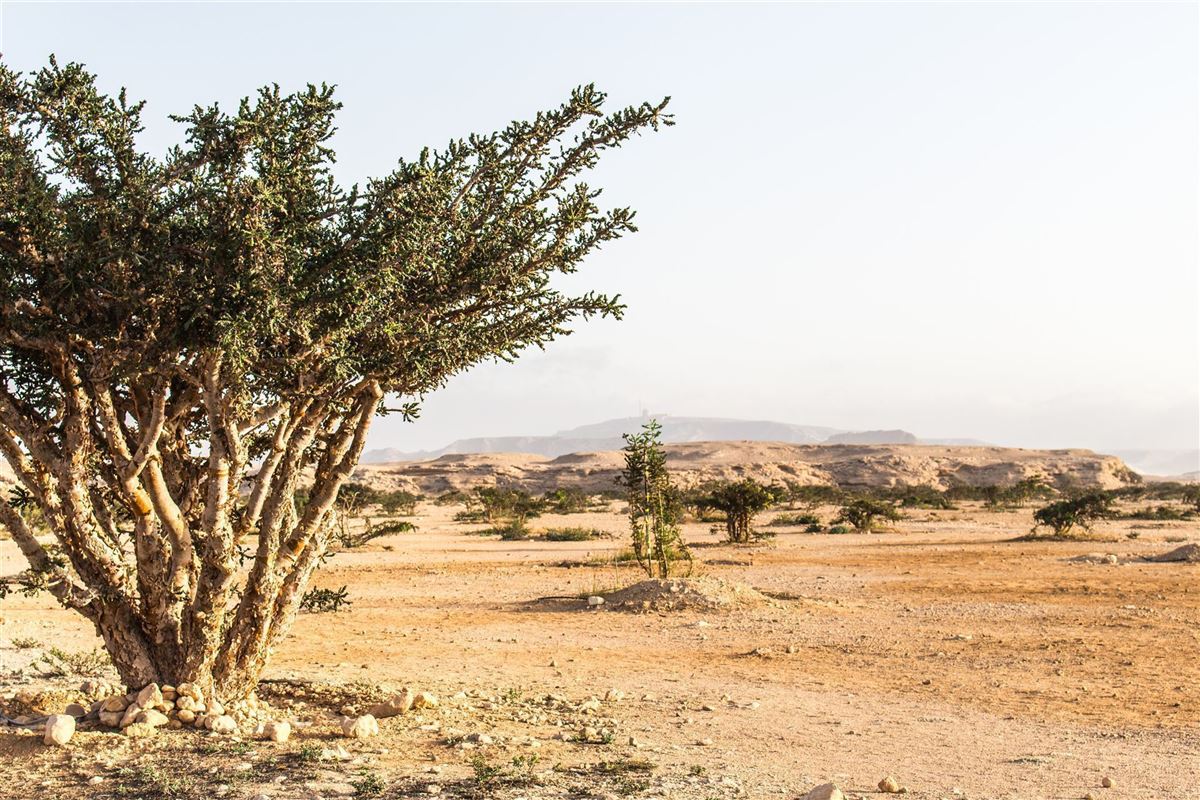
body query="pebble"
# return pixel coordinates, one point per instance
(595, 600)
(1106, 782)
(890, 785)
(59, 729)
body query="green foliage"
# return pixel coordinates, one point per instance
(501, 508)
(324, 601)
(1162, 513)
(570, 501)
(740, 501)
(573, 534)
(368, 783)
(922, 497)
(654, 508)
(788, 519)
(863, 513)
(838, 529)
(454, 497)
(350, 540)
(1080, 511)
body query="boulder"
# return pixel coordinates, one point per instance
(59, 729)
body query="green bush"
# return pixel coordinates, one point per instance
(398, 502)
(740, 501)
(454, 497)
(864, 512)
(655, 509)
(572, 534)
(839, 529)
(324, 601)
(570, 501)
(789, 519)
(814, 528)
(1080, 511)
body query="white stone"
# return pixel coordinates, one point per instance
(277, 731)
(222, 724)
(59, 729)
(826, 791)
(360, 727)
(149, 696)
(595, 600)
(153, 718)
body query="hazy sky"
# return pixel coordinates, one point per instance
(960, 219)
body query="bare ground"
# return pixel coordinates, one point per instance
(944, 653)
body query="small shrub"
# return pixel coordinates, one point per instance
(324, 601)
(351, 540)
(56, 663)
(572, 534)
(740, 501)
(26, 643)
(455, 497)
(568, 501)
(838, 529)
(368, 784)
(1081, 511)
(399, 502)
(864, 512)
(654, 504)
(515, 531)
(788, 519)
(816, 527)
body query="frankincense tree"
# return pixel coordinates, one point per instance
(190, 343)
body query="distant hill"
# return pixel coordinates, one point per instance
(872, 437)
(607, 436)
(695, 463)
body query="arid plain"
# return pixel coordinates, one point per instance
(943, 651)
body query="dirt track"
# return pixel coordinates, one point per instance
(964, 663)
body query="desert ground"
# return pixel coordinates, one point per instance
(943, 652)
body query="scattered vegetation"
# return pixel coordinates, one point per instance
(572, 534)
(787, 519)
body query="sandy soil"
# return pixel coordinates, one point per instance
(964, 663)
